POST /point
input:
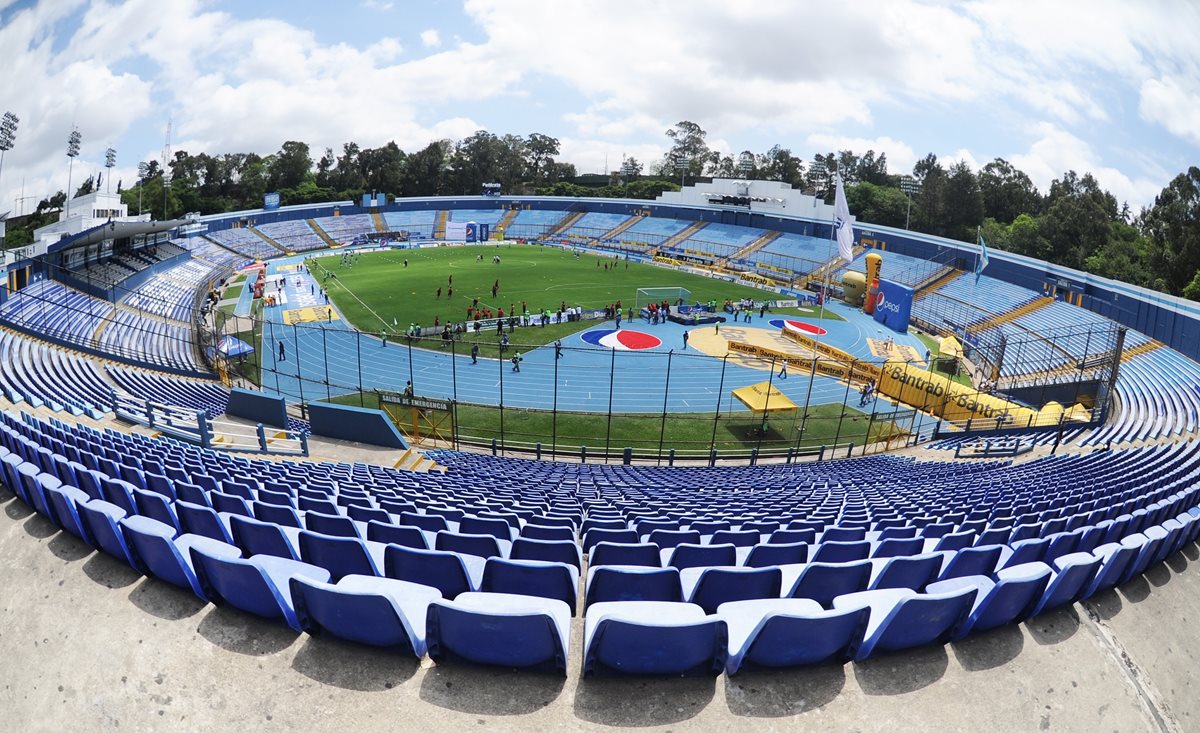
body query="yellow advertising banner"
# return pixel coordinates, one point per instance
(934, 393)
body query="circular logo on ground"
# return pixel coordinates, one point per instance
(801, 325)
(623, 340)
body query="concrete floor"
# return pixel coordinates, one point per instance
(87, 644)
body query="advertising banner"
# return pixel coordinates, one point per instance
(893, 304)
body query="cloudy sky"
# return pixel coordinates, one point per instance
(1110, 87)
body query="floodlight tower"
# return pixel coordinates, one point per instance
(143, 169)
(110, 162)
(8, 134)
(745, 163)
(910, 187)
(73, 142)
(682, 163)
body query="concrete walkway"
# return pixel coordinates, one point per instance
(87, 644)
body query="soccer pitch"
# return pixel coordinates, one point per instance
(376, 292)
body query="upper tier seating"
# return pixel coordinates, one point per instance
(244, 242)
(172, 293)
(205, 250)
(345, 228)
(418, 224)
(294, 235)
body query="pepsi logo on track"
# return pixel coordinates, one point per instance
(624, 340)
(801, 325)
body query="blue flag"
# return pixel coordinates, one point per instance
(982, 261)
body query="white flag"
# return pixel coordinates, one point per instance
(841, 223)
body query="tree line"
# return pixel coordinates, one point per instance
(1075, 222)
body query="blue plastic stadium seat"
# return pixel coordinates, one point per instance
(254, 537)
(710, 587)
(631, 583)
(99, 520)
(497, 528)
(653, 638)
(341, 556)
(257, 585)
(823, 582)
(902, 618)
(1010, 597)
(614, 553)
(480, 545)
(565, 551)
(841, 551)
(395, 534)
(669, 538)
(65, 500)
(449, 572)
(532, 578)
(167, 556)
(500, 629)
(789, 632)
(762, 556)
(1073, 573)
(380, 612)
(692, 556)
(913, 572)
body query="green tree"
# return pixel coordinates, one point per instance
(540, 150)
(877, 204)
(688, 142)
(1077, 220)
(1007, 191)
(1173, 225)
(963, 203)
(290, 165)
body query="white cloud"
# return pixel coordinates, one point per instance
(900, 155)
(833, 76)
(1057, 151)
(1174, 104)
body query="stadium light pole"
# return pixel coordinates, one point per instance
(745, 164)
(8, 135)
(143, 170)
(682, 163)
(110, 162)
(73, 141)
(911, 188)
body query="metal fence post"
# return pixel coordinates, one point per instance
(662, 431)
(712, 444)
(612, 378)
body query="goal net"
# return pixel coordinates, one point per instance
(646, 296)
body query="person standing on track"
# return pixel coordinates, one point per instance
(474, 353)
(558, 349)
(685, 340)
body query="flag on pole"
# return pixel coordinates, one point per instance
(841, 218)
(982, 260)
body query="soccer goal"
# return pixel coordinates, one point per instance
(646, 296)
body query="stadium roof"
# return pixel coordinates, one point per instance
(116, 230)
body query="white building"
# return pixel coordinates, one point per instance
(86, 212)
(766, 197)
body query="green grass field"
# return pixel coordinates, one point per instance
(377, 290)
